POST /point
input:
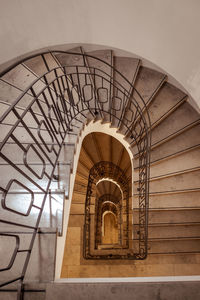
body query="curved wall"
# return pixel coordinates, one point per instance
(163, 32)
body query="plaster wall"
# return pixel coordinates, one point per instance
(164, 32)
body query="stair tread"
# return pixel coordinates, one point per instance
(167, 97)
(176, 121)
(103, 89)
(70, 60)
(37, 65)
(148, 82)
(128, 67)
(147, 85)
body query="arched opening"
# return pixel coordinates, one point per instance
(107, 159)
(109, 229)
(110, 201)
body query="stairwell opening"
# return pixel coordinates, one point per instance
(105, 166)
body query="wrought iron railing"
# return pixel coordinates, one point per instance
(34, 127)
(106, 170)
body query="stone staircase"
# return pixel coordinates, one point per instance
(45, 116)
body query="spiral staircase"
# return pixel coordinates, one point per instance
(48, 101)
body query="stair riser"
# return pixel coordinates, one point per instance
(176, 231)
(117, 291)
(174, 246)
(182, 117)
(179, 182)
(170, 217)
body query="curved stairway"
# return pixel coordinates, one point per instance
(42, 118)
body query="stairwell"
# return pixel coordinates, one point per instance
(43, 118)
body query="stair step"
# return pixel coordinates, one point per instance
(42, 270)
(78, 124)
(38, 269)
(64, 180)
(67, 154)
(164, 216)
(82, 80)
(176, 182)
(71, 59)
(147, 84)
(99, 69)
(128, 67)
(37, 65)
(179, 119)
(8, 117)
(178, 145)
(78, 197)
(77, 208)
(179, 163)
(10, 94)
(71, 138)
(176, 200)
(40, 65)
(183, 143)
(165, 101)
(76, 220)
(52, 216)
(20, 77)
(173, 231)
(174, 246)
(119, 290)
(20, 203)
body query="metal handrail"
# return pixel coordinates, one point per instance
(65, 98)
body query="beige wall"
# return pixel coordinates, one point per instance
(166, 32)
